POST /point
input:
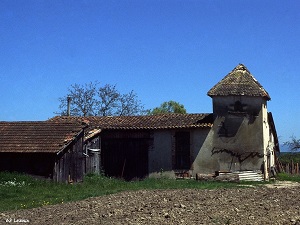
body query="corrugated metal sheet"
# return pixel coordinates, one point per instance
(249, 176)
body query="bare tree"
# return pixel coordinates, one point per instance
(108, 100)
(130, 105)
(293, 144)
(92, 100)
(83, 100)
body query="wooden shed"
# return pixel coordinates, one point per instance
(46, 149)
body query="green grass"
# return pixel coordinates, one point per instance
(21, 191)
(288, 177)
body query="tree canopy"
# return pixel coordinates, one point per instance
(168, 107)
(91, 99)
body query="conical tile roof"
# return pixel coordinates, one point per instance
(239, 82)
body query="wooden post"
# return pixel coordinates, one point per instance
(123, 168)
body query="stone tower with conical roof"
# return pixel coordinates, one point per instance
(240, 139)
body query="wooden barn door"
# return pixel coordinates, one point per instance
(125, 158)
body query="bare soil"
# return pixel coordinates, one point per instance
(273, 204)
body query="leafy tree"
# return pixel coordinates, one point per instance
(168, 107)
(91, 99)
(293, 144)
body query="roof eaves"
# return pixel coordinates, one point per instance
(68, 142)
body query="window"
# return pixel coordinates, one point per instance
(238, 106)
(182, 151)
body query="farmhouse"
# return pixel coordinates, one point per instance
(239, 135)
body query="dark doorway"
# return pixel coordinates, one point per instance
(125, 158)
(182, 151)
(39, 164)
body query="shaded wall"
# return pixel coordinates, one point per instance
(39, 164)
(162, 154)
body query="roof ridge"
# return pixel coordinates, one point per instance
(161, 121)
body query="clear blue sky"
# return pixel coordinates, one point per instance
(163, 50)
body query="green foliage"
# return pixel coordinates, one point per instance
(21, 191)
(168, 107)
(287, 157)
(288, 177)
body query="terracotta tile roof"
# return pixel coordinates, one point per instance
(239, 82)
(163, 121)
(42, 136)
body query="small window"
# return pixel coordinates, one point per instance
(238, 107)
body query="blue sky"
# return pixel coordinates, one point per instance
(163, 50)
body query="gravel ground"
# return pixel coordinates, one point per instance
(277, 204)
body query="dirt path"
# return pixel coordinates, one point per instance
(261, 205)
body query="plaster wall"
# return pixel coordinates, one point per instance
(244, 147)
(244, 150)
(160, 154)
(270, 149)
(224, 104)
(204, 162)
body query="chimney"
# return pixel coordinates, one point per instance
(69, 105)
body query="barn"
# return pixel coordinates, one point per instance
(43, 149)
(134, 147)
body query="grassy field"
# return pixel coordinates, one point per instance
(21, 191)
(288, 177)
